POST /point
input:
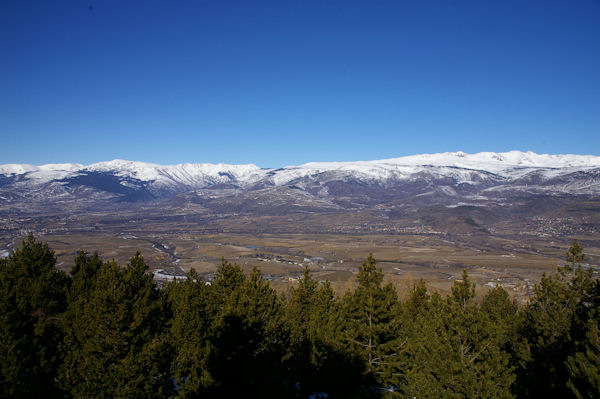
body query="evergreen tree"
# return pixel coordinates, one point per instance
(504, 315)
(196, 308)
(463, 291)
(584, 364)
(190, 304)
(575, 256)
(248, 339)
(549, 333)
(32, 300)
(428, 346)
(83, 274)
(372, 314)
(114, 341)
(455, 350)
(500, 308)
(319, 361)
(481, 364)
(418, 301)
(116, 335)
(228, 279)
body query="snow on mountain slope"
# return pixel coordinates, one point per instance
(11, 169)
(457, 165)
(188, 174)
(451, 168)
(377, 171)
(19, 169)
(42, 173)
(157, 176)
(486, 161)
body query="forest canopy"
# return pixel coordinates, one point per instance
(106, 330)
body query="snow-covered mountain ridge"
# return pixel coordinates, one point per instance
(451, 172)
(503, 163)
(490, 161)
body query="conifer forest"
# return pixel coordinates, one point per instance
(107, 330)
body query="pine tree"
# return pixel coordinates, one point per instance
(247, 339)
(498, 305)
(503, 314)
(189, 302)
(229, 278)
(454, 349)
(480, 363)
(114, 341)
(575, 255)
(463, 291)
(550, 328)
(418, 301)
(372, 314)
(32, 300)
(428, 346)
(320, 362)
(83, 274)
(583, 364)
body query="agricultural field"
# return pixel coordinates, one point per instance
(513, 264)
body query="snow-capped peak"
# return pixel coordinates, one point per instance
(40, 173)
(190, 174)
(489, 161)
(457, 165)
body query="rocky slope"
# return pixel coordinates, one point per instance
(449, 179)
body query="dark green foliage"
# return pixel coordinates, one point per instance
(584, 364)
(32, 300)
(423, 352)
(499, 307)
(560, 350)
(419, 300)
(477, 358)
(319, 361)
(503, 314)
(109, 332)
(248, 340)
(228, 279)
(189, 303)
(372, 314)
(455, 349)
(83, 274)
(229, 337)
(575, 255)
(113, 337)
(463, 291)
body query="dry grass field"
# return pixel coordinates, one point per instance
(515, 264)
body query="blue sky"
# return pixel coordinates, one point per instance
(286, 82)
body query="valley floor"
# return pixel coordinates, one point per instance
(513, 263)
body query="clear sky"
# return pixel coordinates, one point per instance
(286, 82)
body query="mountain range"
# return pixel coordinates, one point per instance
(473, 177)
(509, 195)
